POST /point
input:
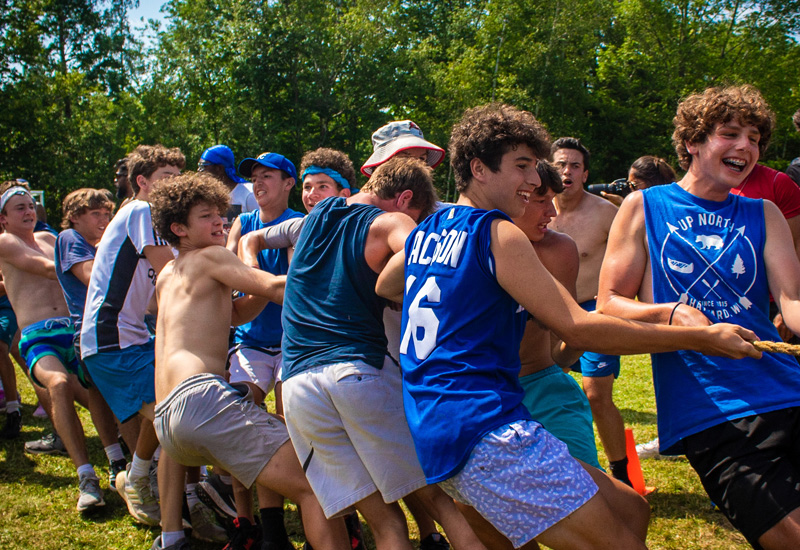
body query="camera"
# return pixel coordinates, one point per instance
(617, 187)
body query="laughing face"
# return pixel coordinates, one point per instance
(569, 163)
(727, 156)
(510, 189)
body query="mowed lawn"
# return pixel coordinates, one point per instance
(38, 493)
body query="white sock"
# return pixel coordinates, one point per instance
(168, 538)
(114, 452)
(86, 471)
(12, 406)
(157, 454)
(191, 495)
(139, 467)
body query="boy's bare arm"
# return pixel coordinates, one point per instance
(234, 235)
(158, 256)
(83, 271)
(624, 270)
(14, 252)
(522, 275)
(783, 267)
(391, 280)
(246, 308)
(223, 266)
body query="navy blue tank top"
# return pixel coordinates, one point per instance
(331, 313)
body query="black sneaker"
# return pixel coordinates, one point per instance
(50, 444)
(434, 541)
(354, 532)
(113, 469)
(217, 495)
(12, 427)
(246, 536)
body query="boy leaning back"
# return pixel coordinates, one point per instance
(200, 418)
(470, 275)
(695, 254)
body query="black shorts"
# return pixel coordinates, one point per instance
(750, 467)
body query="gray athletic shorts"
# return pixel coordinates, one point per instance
(206, 420)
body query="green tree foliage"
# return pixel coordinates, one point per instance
(77, 91)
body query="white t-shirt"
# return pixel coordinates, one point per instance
(242, 195)
(122, 283)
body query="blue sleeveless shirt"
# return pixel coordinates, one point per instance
(265, 330)
(331, 313)
(459, 348)
(709, 255)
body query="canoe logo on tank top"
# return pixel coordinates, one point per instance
(710, 264)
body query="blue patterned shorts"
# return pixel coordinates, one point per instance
(522, 480)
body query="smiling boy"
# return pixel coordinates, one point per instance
(26, 259)
(199, 416)
(695, 255)
(470, 275)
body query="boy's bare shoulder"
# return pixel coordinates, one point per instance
(45, 237)
(10, 244)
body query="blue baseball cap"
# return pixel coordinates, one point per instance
(270, 160)
(223, 156)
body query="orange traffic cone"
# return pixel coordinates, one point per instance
(634, 468)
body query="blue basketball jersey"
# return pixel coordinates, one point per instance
(459, 348)
(265, 330)
(331, 313)
(709, 255)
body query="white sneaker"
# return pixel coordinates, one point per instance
(142, 504)
(91, 496)
(649, 449)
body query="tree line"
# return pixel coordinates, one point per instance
(79, 87)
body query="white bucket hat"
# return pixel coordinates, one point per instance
(397, 136)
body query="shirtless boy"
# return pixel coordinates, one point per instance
(587, 219)
(553, 397)
(695, 254)
(464, 312)
(26, 259)
(200, 418)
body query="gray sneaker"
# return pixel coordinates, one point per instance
(50, 444)
(204, 524)
(91, 496)
(141, 502)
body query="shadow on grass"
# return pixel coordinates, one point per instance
(633, 416)
(681, 505)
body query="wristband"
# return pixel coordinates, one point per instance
(672, 313)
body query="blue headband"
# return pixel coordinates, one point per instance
(333, 174)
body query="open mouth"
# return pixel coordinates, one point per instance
(526, 195)
(735, 164)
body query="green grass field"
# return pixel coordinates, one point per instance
(38, 493)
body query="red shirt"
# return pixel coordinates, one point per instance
(766, 183)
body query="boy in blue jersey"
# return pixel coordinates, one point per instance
(86, 215)
(470, 275)
(341, 391)
(695, 255)
(255, 357)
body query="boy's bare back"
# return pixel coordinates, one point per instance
(30, 278)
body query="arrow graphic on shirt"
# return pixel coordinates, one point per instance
(684, 297)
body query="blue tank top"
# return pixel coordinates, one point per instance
(709, 255)
(331, 313)
(265, 330)
(459, 348)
